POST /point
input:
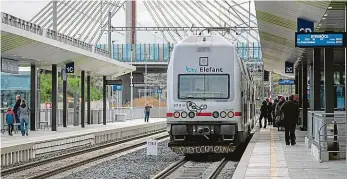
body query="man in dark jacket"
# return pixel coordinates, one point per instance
(15, 109)
(290, 111)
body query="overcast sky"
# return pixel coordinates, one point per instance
(27, 9)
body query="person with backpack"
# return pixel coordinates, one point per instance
(263, 113)
(290, 117)
(273, 111)
(269, 112)
(15, 109)
(23, 113)
(11, 120)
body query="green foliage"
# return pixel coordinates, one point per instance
(73, 86)
(46, 88)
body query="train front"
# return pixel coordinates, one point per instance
(203, 110)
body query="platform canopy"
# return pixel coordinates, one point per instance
(277, 21)
(30, 48)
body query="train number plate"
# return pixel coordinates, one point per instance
(202, 149)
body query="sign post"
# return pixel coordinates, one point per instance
(9, 65)
(320, 40)
(289, 67)
(159, 91)
(286, 82)
(70, 67)
(152, 147)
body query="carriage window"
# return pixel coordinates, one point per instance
(203, 86)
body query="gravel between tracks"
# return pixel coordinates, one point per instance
(228, 170)
(131, 166)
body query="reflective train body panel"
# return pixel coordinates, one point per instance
(210, 98)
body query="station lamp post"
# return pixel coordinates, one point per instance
(145, 78)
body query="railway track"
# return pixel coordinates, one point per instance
(186, 168)
(53, 166)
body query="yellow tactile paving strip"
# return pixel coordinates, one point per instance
(273, 154)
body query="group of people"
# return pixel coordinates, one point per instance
(284, 112)
(19, 114)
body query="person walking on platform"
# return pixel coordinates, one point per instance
(263, 114)
(273, 109)
(269, 112)
(11, 120)
(290, 111)
(23, 113)
(15, 109)
(147, 112)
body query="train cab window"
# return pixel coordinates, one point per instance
(204, 86)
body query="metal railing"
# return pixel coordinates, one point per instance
(323, 144)
(43, 119)
(31, 27)
(321, 128)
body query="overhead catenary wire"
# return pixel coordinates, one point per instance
(225, 14)
(211, 11)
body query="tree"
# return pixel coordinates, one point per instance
(73, 86)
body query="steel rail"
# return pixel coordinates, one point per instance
(83, 162)
(169, 170)
(64, 156)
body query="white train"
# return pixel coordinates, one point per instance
(210, 96)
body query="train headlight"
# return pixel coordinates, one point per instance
(231, 114)
(223, 114)
(184, 114)
(191, 114)
(215, 114)
(176, 114)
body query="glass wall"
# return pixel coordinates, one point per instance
(161, 52)
(251, 51)
(339, 88)
(155, 52)
(12, 85)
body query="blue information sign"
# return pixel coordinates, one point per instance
(117, 87)
(319, 40)
(159, 91)
(70, 67)
(286, 82)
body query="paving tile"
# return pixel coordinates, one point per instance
(271, 158)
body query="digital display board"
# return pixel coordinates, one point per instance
(286, 82)
(312, 40)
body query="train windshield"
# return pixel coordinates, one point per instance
(204, 86)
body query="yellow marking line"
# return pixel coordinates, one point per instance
(273, 154)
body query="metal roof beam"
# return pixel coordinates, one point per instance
(155, 20)
(116, 8)
(160, 19)
(175, 13)
(218, 28)
(168, 12)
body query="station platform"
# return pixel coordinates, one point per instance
(267, 156)
(19, 148)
